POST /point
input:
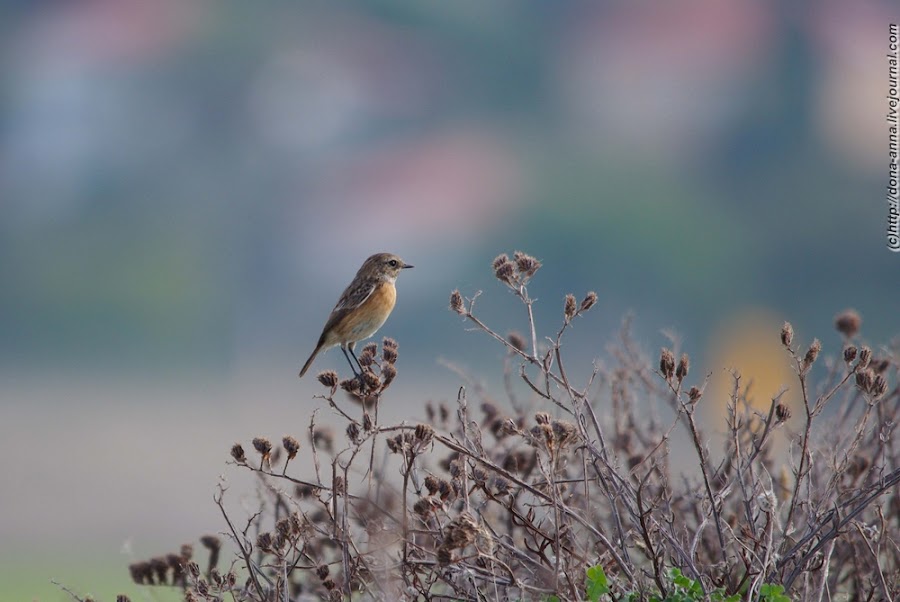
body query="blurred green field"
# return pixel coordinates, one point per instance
(100, 574)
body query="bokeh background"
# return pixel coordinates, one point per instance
(186, 188)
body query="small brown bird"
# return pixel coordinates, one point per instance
(363, 307)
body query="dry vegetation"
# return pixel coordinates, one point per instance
(573, 493)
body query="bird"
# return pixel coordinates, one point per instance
(362, 308)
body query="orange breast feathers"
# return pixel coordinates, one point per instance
(362, 322)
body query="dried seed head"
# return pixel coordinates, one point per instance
(526, 264)
(328, 378)
(542, 418)
(865, 356)
(849, 353)
(431, 484)
(291, 446)
(329, 584)
(490, 411)
(456, 302)
(322, 571)
(500, 260)
(283, 527)
(694, 394)
(500, 485)
(787, 334)
(782, 412)
(237, 452)
(388, 374)
(372, 381)
(263, 446)
(505, 272)
(667, 363)
(444, 556)
(865, 380)
(424, 434)
(389, 343)
(366, 360)
(194, 569)
(588, 302)
(351, 385)
(323, 437)
(811, 354)
(122, 598)
(507, 427)
(215, 577)
(570, 307)
(684, 365)
(353, 432)
(140, 572)
(423, 506)
(203, 587)
(370, 349)
(389, 354)
(880, 365)
(516, 340)
(455, 469)
(460, 532)
(848, 322)
(879, 387)
(564, 432)
(445, 490)
(339, 487)
(368, 425)
(264, 541)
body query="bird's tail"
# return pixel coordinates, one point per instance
(310, 360)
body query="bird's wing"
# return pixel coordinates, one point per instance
(355, 295)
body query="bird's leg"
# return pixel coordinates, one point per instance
(350, 347)
(349, 361)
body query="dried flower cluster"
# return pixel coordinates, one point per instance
(512, 495)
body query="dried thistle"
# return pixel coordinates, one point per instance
(542, 418)
(848, 322)
(694, 394)
(353, 432)
(811, 354)
(291, 446)
(328, 378)
(526, 265)
(849, 354)
(516, 340)
(787, 334)
(782, 412)
(389, 354)
(388, 374)
(684, 365)
(570, 307)
(237, 452)
(865, 356)
(263, 447)
(667, 363)
(456, 302)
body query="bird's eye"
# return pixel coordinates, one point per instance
(392, 263)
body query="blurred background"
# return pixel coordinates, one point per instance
(187, 187)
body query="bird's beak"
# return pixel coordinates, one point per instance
(406, 265)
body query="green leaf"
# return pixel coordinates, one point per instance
(597, 585)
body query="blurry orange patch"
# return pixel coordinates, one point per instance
(749, 343)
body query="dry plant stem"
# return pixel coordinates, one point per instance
(880, 573)
(688, 412)
(67, 590)
(244, 551)
(886, 483)
(811, 412)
